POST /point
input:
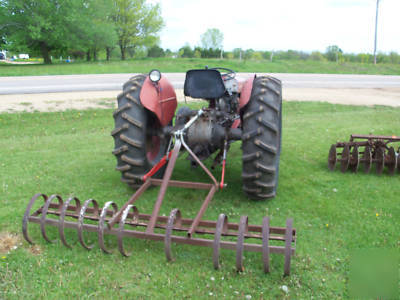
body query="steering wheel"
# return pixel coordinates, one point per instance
(228, 75)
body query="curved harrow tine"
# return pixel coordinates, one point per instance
(170, 227)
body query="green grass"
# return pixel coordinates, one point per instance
(334, 213)
(184, 64)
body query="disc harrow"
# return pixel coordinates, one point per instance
(54, 211)
(366, 150)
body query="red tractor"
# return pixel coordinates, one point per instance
(247, 110)
(147, 144)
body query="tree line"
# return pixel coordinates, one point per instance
(127, 28)
(332, 53)
(57, 27)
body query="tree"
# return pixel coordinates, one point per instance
(156, 51)
(99, 30)
(137, 24)
(317, 56)
(43, 25)
(237, 53)
(212, 39)
(186, 51)
(248, 54)
(333, 52)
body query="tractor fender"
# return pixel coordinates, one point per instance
(245, 92)
(159, 98)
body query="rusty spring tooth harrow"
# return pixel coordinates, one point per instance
(131, 219)
(366, 150)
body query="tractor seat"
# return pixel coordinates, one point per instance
(204, 83)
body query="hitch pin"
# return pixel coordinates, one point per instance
(221, 185)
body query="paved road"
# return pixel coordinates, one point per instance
(108, 82)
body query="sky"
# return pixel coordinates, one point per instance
(306, 25)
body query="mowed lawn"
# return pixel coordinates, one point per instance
(69, 153)
(183, 64)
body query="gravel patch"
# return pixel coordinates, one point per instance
(107, 99)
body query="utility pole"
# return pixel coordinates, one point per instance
(376, 29)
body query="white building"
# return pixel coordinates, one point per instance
(23, 56)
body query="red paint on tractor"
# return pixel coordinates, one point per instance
(246, 92)
(236, 123)
(160, 99)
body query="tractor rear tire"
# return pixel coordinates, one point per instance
(139, 144)
(261, 139)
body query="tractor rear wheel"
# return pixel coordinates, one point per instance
(139, 143)
(261, 139)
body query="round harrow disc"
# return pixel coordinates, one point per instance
(332, 158)
(288, 247)
(354, 160)
(345, 160)
(391, 161)
(265, 241)
(379, 160)
(367, 159)
(222, 227)
(243, 229)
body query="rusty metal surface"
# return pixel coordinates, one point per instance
(265, 243)
(288, 247)
(132, 200)
(367, 159)
(354, 160)
(243, 228)
(171, 229)
(368, 150)
(379, 159)
(332, 158)
(63, 212)
(25, 219)
(345, 160)
(163, 187)
(44, 213)
(174, 219)
(102, 225)
(135, 214)
(201, 212)
(82, 213)
(171, 225)
(222, 227)
(391, 161)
